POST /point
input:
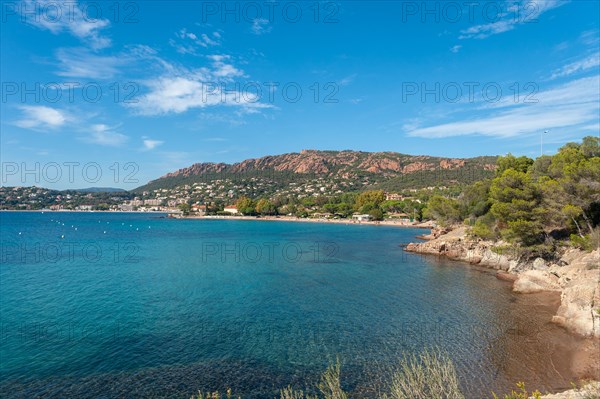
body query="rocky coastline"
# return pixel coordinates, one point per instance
(576, 275)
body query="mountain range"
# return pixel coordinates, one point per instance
(385, 170)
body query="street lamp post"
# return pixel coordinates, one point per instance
(542, 143)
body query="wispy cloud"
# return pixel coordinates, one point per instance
(570, 105)
(525, 11)
(67, 16)
(149, 144)
(347, 80)
(260, 26)
(82, 63)
(105, 135)
(580, 65)
(590, 37)
(189, 42)
(41, 117)
(455, 49)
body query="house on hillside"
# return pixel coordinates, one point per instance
(361, 218)
(393, 197)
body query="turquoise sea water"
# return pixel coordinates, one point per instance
(138, 305)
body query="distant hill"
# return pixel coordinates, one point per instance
(386, 170)
(99, 190)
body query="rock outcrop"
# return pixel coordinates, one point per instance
(455, 245)
(531, 281)
(590, 391)
(580, 299)
(576, 275)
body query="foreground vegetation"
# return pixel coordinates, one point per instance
(536, 205)
(429, 375)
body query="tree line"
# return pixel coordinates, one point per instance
(536, 204)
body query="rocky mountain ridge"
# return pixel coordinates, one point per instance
(376, 166)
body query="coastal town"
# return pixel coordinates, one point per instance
(317, 199)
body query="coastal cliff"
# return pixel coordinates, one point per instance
(576, 275)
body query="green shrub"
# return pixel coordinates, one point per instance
(581, 242)
(482, 230)
(520, 394)
(588, 242)
(544, 251)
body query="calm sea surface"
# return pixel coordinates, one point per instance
(138, 305)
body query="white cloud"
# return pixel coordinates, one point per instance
(190, 42)
(82, 63)
(581, 65)
(37, 117)
(178, 89)
(222, 69)
(526, 11)
(149, 144)
(455, 49)
(570, 105)
(260, 26)
(59, 16)
(105, 135)
(177, 94)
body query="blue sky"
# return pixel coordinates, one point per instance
(164, 84)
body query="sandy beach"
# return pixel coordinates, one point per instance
(395, 223)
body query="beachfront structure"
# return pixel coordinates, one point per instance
(402, 216)
(324, 215)
(199, 209)
(231, 209)
(361, 218)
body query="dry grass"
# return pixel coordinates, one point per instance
(428, 375)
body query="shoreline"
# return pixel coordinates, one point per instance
(574, 322)
(394, 223)
(349, 222)
(576, 275)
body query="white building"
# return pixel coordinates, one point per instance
(231, 209)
